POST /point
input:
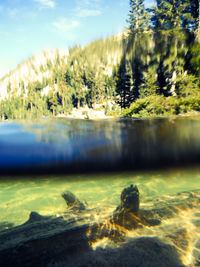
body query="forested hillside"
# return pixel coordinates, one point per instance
(161, 67)
(152, 69)
(54, 82)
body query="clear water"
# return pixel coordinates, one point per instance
(169, 147)
(18, 197)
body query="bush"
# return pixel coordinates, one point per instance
(162, 106)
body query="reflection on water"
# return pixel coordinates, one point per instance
(66, 146)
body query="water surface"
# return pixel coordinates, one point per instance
(66, 146)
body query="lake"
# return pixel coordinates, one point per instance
(96, 160)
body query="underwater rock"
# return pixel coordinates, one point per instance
(130, 199)
(35, 217)
(67, 240)
(56, 242)
(72, 201)
(43, 238)
(196, 255)
(137, 252)
(179, 237)
(5, 225)
(128, 214)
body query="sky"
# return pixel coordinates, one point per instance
(30, 26)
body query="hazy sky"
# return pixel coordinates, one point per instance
(29, 26)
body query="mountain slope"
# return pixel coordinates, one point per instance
(37, 68)
(55, 81)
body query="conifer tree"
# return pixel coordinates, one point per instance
(171, 42)
(169, 14)
(78, 84)
(62, 86)
(138, 21)
(138, 42)
(31, 95)
(150, 85)
(52, 101)
(123, 85)
(196, 13)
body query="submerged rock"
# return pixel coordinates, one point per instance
(130, 199)
(67, 240)
(35, 217)
(72, 201)
(5, 225)
(128, 214)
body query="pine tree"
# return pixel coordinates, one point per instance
(138, 17)
(139, 42)
(187, 85)
(52, 101)
(123, 84)
(62, 86)
(150, 85)
(99, 87)
(171, 42)
(31, 95)
(78, 84)
(197, 19)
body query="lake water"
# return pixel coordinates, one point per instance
(20, 196)
(95, 160)
(80, 146)
(74, 155)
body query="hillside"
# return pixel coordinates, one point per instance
(55, 81)
(152, 69)
(38, 68)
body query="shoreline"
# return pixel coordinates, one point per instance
(86, 113)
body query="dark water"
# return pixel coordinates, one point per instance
(66, 146)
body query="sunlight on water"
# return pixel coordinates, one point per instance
(18, 197)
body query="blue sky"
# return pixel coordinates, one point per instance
(29, 26)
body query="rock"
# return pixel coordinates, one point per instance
(66, 240)
(128, 214)
(56, 242)
(72, 201)
(35, 217)
(130, 199)
(180, 238)
(197, 245)
(153, 222)
(5, 225)
(43, 238)
(137, 252)
(196, 223)
(196, 255)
